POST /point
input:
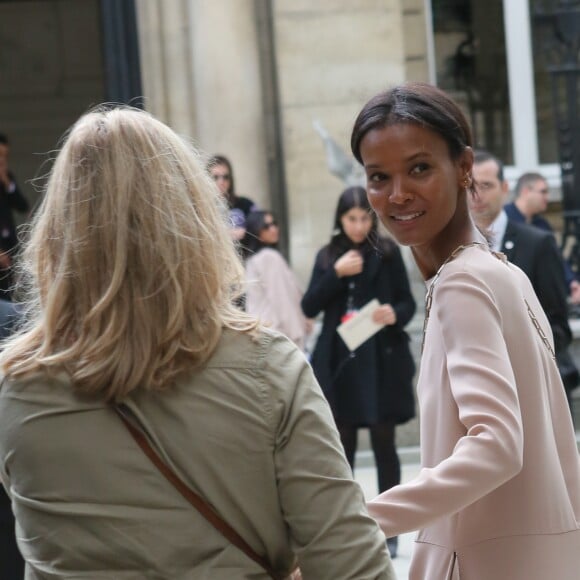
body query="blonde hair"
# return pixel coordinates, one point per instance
(130, 266)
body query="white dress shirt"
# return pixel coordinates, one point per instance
(497, 229)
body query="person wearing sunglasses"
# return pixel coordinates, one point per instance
(220, 169)
(273, 293)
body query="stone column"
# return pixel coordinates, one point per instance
(201, 75)
(415, 39)
(228, 90)
(165, 47)
(331, 57)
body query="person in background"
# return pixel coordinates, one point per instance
(222, 173)
(373, 386)
(531, 201)
(11, 199)
(273, 293)
(11, 562)
(131, 272)
(10, 317)
(498, 492)
(529, 248)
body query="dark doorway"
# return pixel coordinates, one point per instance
(59, 58)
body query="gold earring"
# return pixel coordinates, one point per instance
(466, 182)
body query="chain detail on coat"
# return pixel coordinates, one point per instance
(452, 256)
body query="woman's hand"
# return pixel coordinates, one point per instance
(349, 264)
(385, 314)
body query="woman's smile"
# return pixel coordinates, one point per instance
(407, 217)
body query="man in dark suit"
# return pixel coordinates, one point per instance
(531, 249)
(531, 200)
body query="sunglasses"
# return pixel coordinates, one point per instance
(269, 225)
(224, 176)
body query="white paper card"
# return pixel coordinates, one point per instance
(361, 326)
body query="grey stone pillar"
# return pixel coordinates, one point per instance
(201, 75)
(228, 89)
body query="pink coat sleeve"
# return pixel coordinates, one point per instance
(488, 447)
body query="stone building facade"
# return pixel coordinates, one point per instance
(249, 78)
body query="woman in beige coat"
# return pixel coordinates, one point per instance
(132, 274)
(273, 293)
(498, 497)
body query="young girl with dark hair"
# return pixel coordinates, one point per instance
(372, 386)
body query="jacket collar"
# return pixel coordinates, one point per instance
(509, 240)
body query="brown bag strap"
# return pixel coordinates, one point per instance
(205, 509)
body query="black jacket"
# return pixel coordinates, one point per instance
(9, 201)
(376, 383)
(535, 252)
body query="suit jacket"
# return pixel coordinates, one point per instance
(537, 221)
(251, 432)
(498, 495)
(535, 252)
(515, 215)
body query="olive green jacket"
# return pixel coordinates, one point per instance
(251, 432)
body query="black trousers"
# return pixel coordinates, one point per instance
(384, 450)
(11, 562)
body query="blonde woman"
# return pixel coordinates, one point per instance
(131, 269)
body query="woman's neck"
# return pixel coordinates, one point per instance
(429, 257)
